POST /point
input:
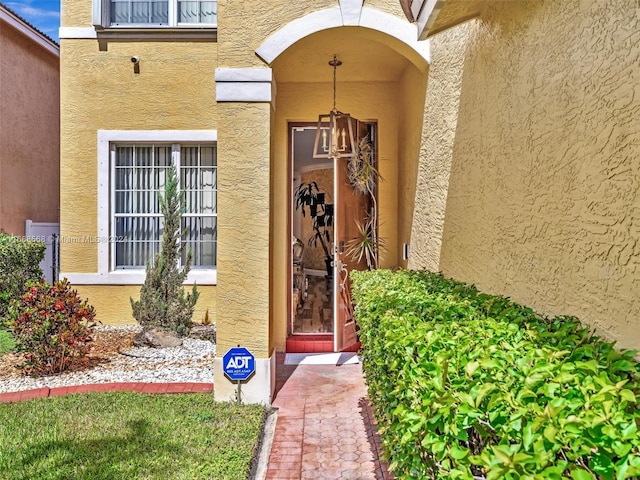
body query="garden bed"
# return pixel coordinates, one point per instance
(113, 358)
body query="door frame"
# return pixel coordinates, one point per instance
(291, 211)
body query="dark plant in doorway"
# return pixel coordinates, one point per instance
(309, 197)
(163, 301)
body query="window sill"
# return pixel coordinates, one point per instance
(119, 34)
(200, 32)
(157, 27)
(135, 277)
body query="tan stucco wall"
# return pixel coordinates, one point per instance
(114, 308)
(543, 200)
(391, 7)
(411, 131)
(75, 13)
(29, 132)
(436, 149)
(244, 24)
(175, 90)
(244, 196)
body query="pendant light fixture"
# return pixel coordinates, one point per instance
(334, 134)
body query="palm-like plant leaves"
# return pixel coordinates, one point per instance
(308, 196)
(366, 245)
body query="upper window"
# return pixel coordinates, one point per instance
(139, 173)
(163, 12)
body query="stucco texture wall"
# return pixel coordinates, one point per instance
(75, 13)
(175, 90)
(455, 11)
(412, 129)
(436, 149)
(114, 308)
(244, 24)
(244, 235)
(29, 132)
(390, 7)
(543, 197)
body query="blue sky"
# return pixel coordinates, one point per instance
(42, 14)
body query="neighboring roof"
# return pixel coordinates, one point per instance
(24, 27)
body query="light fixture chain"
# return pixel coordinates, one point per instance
(337, 141)
(335, 67)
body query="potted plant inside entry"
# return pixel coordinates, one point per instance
(310, 199)
(364, 178)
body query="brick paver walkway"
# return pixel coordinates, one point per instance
(325, 428)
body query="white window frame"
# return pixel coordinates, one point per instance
(106, 274)
(176, 162)
(102, 18)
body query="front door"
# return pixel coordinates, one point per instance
(351, 209)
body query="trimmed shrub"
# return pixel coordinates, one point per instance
(19, 263)
(469, 385)
(53, 327)
(163, 301)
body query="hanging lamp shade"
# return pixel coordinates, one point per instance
(334, 136)
(334, 132)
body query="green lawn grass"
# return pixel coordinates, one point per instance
(6, 342)
(128, 436)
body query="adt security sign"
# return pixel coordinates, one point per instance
(238, 364)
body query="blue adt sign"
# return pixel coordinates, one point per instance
(238, 363)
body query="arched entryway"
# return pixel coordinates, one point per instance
(381, 82)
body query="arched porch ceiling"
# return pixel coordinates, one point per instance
(366, 56)
(372, 25)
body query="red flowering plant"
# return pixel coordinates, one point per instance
(52, 325)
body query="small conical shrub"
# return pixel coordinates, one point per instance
(163, 301)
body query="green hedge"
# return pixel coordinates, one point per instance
(19, 263)
(466, 384)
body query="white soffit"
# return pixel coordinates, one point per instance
(77, 32)
(425, 12)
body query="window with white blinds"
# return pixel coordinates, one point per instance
(139, 173)
(163, 12)
(197, 12)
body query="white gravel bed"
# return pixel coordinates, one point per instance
(191, 362)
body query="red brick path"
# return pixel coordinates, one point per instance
(325, 428)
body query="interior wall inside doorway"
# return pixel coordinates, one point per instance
(313, 257)
(312, 295)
